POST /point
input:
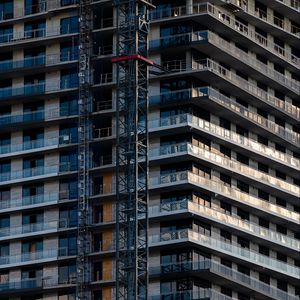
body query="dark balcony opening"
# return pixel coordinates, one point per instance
(97, 295)
(103, 73)
(103, 17)
(97, 242)
(102, 100)
(32, 194)
(33, 138)
(103, 44)
(35, 56)
(97, 214)
(97, 271)
(35, 29)
(6, 61)
(69, 25)
(98, 185)
(6, 34)
(69, 78)
(68, 161)
(101, 156)
(33, 111)
(102, 128)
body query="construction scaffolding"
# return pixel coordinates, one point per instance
(132, 149)
(84, 157)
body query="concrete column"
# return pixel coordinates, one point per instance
(189, 6)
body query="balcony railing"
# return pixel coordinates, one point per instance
(103, 78)
(37, 144)
(30, 200)
(38, 171)
(236, 108)
(217, 215)
(226, 191)
(30, 228)
(41, 60)
(212, 66)
(226, 19)
(222, 133)
(29, 35)
(33, 256)
(103, 132)
(228, 248)
(226, 272)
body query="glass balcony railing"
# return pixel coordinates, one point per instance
(38, 171)
(33, 256)
(225, 272)
(23, 118)
(22, 36)
(235, 166)
(236, 108)
(226, 191)
(222, 133)
(103, 78)
(217, 215)
(222, 16)
(228, 248)
(51, 197)
(41, 60)
(37, 144)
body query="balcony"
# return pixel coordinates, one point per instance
(230, 54)
(221, 271)
(237, 112)
(32, 257)
(238, 85)
(22, 37)
(218, 187)
(222, 134)
(217, 215)
(237, 29)
(197, 294)
(51, 197)
(103, 133)
(227, 248)
(46, 171)
(37, 61)
(40, 145)
(103, 79)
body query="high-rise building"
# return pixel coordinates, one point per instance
(224, 137)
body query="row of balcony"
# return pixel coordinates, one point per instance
(179, 66)
(226, 19)
(225, 247)
(236, 108)
(217, 41)
(41, 7)
(218, 216)
(37, 171)
(225, 272)
(52, 226)
(235, 167)
(37, 144)
(38, 61)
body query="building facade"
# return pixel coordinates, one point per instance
(224, 150)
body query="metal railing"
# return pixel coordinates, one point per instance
(222, 133)
(217, 186)
(229, 248)
(217, 215)
(222, 16)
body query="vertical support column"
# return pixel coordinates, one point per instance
(189, 6)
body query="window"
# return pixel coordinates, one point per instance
(69, 79)
(67, 245)
(68, 161)
(280, 175)
(33, 138)
(68, 216)
(264, 223)
(4, 253)
(68, 133)
(32, 194)
(202, 228)
(6, 34)
(226, 291)
(282, 285)
(68, 189)
(69, 25)
(69, 51)
(226, 262)
(30, 221)
(5, 171)
(264, 278)
(202, 199)
(243, 270)
(67, 274)
(225, 236)
(35, 29)
(69, 106)
(281, 257)
(262, 167)
(34, 6)
(225, 151)
(6, 10)
(262, 140)
(32, 249)
(281, 229)
(5, 145)
(263, 195)
(264, 250)
(244, 215)
(244, 243)
(33, 166)
(33, 111)
(244, 187)
(226, 179)
(242, 159)
(280, 202)
(241, 131)
(4, 197)
(225, 123)
(226, 207)
(35, 56)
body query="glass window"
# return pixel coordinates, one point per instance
(68, 106)
(68, 216)
(69, 25)
(5, 143)
(68, 245)
(6, 10)
(6, 34)
(35, 29)
(69, 79)
(68, 189)
(68, 161)
(67, 273)
(68, 133)
(69, 51)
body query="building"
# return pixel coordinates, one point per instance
(224, 150)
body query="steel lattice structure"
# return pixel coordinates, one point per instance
(84, 136)
(132, 149)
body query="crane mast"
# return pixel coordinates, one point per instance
(132, 170)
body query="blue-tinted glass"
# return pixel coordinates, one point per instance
(69, 25)
(6, 10)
